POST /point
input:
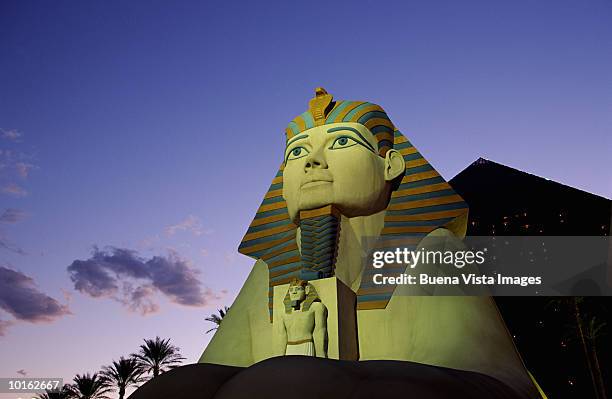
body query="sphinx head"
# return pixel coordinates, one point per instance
(297, 290)
(300, 294)
(339, 160)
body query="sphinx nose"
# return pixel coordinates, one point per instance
(316, 159)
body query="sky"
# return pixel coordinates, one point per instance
(138, 139)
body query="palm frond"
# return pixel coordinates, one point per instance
(62, 393)
(158, 355)
(90, 386)
(217, 318)
(123, 374)
(595, 329)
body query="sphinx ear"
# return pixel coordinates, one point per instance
(394, 165)
(307, 289)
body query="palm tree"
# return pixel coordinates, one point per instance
(62, 393)
(217, 319)
(594, 330)
(88, 386)
(123, 374)
(574, 306)
(156, 356)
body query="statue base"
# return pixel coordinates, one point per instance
(305, 377)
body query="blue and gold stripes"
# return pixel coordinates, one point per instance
(370, 115)
(423, 202)
(320, 230)
(271, 237)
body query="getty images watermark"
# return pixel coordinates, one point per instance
(492, 265)
(458, 259)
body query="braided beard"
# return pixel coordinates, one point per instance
(320, 230)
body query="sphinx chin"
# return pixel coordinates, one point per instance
(366, 206)
(350, 207)
(315, 197)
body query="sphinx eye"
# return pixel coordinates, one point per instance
(343, 142)
(296, 153)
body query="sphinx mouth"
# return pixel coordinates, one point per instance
(314, 183)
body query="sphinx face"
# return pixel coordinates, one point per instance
(336, 164)
(297, 293)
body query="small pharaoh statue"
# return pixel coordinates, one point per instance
(303, 329)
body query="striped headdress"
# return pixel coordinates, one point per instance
(323, 110)
(423, 202)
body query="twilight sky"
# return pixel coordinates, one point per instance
(138, 138)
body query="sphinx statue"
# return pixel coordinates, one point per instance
(348, 175)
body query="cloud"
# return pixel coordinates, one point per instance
(230, 257)
(20, 297)
(6, 245)
(10, 134)
(125, 276)
(13, 189)
(23, 169)
(22, 372)
(67, 295)
(4, 325)
(190, 224)
(149, 242)
(12, 215)
(140, 299)
(15, 165)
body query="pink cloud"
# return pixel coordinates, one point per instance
(12, 215)
(123, 275)
(14, 189)
(21, 298)
(10, 134)
(190, 224)
(23, 169)
(4, 325)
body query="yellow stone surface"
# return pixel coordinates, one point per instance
(465, 333)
